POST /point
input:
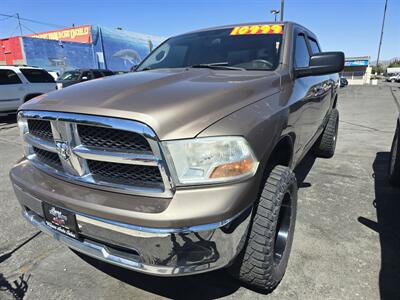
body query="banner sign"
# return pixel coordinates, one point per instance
(356, 63)
(80, 34)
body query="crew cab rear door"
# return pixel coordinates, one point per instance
(40, 81)
(12, 90)
(311, 94)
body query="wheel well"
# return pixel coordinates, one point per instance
(30, 96)
(282, 153)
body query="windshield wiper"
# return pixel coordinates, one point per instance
(219, 65)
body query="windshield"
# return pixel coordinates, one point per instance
(70, 75)
(255, 47)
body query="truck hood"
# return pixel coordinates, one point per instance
(175, 103)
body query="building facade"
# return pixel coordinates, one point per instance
(78, 47)
(357, 70)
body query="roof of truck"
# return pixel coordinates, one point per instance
(285, 23)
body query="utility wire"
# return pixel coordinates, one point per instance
(6, 18)
(33, 21)
(26, 27)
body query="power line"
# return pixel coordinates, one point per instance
(6, 18)
(26, 27)
(34, 21)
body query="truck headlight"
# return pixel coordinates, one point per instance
(210, 160)
(23, 129)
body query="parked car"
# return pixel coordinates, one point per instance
(343, 82)
(393, 78)
(186, 165)
(55, 74)
(80, 75)
(20, 84)
(394, 162)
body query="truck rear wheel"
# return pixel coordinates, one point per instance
(265, 256)
(394, 162)
(326, 144)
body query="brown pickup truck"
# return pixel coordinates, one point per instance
(186, 164)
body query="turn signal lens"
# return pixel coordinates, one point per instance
(233, 169)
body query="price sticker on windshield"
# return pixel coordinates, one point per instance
(257, 29)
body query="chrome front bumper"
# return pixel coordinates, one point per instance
(156, 251)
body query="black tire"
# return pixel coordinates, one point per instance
(326, 144)
(263, 261)
(394, 161)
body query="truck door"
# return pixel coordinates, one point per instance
(302, 93)
(324, 88)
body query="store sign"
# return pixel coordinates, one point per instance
(80, 34)
(356, 63)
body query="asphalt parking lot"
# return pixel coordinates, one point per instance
(346, 245)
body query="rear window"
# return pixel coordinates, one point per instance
(9, 77)
(37, 76)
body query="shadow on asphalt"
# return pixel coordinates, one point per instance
(387, 204)
(209, 285)
(9, 119)
(17, 288)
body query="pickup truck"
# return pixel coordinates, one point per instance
(21, 84)
(185, 165)
(394, 161)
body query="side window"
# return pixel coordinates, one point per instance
(97, 74)
(301, 56)
(314, 46)
(87, 74)
(37, 75)
(9, 77)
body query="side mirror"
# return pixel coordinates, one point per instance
(322, 63)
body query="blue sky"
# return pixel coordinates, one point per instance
(352, 26)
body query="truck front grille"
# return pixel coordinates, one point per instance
(125, 174)
(48, 158)
(107, 153)
(40, 129)
(112, 138)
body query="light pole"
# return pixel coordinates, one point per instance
(282, 8)
(380, 41)
(275, 12)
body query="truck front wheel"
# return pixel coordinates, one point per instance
(265, 256)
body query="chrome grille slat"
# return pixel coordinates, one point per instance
(115, 156)
(131, 162)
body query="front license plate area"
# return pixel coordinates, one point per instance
(60, 219)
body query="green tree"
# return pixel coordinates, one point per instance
(395, 64)
(378, 69)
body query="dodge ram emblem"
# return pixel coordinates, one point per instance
(63, 150)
